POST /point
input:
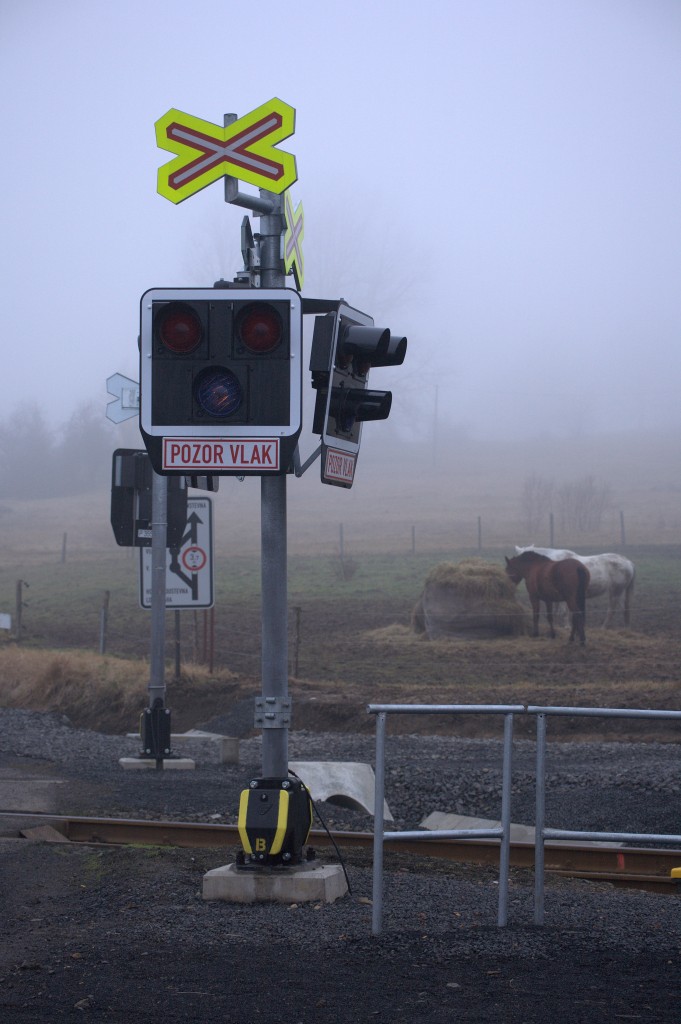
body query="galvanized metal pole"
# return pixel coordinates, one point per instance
(379, 826)
(505, 852)
(539, 820)
(159, 530)
(273, 533)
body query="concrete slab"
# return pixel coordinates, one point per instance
(30, 795)
(172, 764)
(226, 748)
(205, 746)
(519, 833)
(301, 883)
(441, 820)
(43, 834)
(346, 783)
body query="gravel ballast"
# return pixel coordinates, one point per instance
(124, 934)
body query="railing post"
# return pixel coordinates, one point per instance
(379, 803)
(539, 820)
(505, 852)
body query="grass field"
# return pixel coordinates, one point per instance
(350, 640)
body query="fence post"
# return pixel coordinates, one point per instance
(296, 644)
(19, 605)
(551, 529)
(103, 621)
(623, 536)
(63, 548)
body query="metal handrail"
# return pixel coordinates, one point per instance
(542, 833)
(503, 832)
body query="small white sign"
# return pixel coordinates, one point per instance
(189, 569)
(339, 466)
(210, 455)
(126, 394)
(5, 621)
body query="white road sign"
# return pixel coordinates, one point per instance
(189, 569)
(126, 394)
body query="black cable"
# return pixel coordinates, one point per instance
(325, 827)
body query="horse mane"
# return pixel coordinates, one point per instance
(531, 556)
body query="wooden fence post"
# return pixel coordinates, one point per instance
(103, 622)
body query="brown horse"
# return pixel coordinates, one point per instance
(550, 582)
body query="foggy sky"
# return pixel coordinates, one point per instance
(499, 180)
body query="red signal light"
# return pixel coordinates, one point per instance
(179, 329)
(259, 327)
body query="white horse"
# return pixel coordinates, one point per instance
(610, 574)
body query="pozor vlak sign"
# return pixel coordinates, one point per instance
(221, 379)
(214, 455)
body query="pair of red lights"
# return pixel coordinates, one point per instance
(257, 326)
(217, 390)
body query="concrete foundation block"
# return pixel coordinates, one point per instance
(212, 747)
(302, 883)
(225, 749)
(441, 820)
(30, 795)
(173, 764)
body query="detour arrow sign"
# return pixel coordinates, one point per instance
(244, 149)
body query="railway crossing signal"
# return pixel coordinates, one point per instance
(345, 346)
(220, 379)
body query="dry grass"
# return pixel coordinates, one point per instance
(94, 691)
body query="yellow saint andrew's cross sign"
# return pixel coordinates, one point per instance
(244, 149)
(293, 241)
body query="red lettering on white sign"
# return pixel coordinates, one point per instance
(209, 455)
(340, 465)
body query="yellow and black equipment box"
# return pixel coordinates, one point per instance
(275, 817)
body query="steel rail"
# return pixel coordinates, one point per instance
(638, 867)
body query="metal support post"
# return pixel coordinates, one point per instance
(505, 852)
(274, 624)
(274, 541)
(539, 821)
(155, 726)
(379, 825)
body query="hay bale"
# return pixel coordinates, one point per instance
(471, 599)
(418, 622)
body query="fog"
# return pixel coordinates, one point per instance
(498, 180)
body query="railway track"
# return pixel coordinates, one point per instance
(635, 867)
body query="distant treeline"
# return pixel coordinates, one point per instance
(37, 461)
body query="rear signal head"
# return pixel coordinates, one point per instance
(345, 346)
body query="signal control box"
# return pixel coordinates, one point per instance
(275, 817)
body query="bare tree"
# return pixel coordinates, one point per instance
(536, 502)
(582, 505)
(27, 467)
(83, 455)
